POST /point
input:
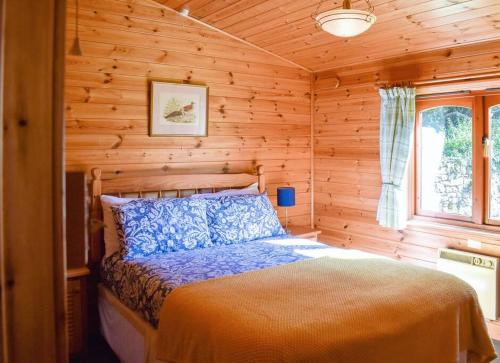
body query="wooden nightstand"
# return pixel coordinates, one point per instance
(305, 232)
(77, 310)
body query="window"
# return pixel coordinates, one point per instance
(457, 159)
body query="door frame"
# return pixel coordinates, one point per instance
(32, 243)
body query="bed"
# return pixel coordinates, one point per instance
(219, 303)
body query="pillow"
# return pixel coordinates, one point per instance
(251, 189)
(148, 226)
(111, 242)
(236, 219)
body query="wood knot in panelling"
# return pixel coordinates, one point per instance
(108, 78)
(163, 56)
(118, 143)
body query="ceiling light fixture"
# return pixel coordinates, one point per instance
(345, 22)
(184, 12)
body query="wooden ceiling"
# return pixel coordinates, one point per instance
(285, 27)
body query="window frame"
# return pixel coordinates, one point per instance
(460, 101)
(489, 101)
(483, 99)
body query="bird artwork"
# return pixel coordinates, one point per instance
(189, 107)
(178, 109)
(175, 112)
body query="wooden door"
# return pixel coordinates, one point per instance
(32, 250)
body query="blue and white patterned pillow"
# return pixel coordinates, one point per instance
(149, 226)
(236, 219)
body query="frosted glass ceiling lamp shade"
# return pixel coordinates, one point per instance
(345, 22)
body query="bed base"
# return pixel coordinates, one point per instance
(131, 338)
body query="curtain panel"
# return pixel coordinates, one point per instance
(397, 123)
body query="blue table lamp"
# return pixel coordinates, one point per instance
(286, 198)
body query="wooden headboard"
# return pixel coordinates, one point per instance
(155, 186)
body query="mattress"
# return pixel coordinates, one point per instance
(142, 284)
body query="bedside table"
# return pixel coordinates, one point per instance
(305, 232)
(76, 295)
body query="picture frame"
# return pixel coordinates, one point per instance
(178, 109)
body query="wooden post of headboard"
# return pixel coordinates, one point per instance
(261, 178)
(95, 249)
(96, 182)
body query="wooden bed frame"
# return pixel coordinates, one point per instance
(155, 186)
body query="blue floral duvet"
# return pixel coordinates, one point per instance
(143, 283)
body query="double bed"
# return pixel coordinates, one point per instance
(142, 284)
(276, 299)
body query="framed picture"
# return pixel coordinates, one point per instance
(178, 109)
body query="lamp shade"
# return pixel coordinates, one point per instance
(345, 22)
(286, 196)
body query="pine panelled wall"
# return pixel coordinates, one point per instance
(259, 105)
(346, 154)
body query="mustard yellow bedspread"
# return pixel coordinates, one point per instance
(325, 310)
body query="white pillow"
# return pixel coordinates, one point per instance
(251, 189)
(111, 241)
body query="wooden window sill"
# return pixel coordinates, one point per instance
(464, 229)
